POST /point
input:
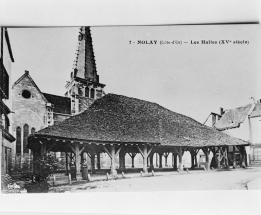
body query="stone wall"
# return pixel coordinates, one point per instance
(30, 111)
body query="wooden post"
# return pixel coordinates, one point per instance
(192, 159)
(166, 158)
(66, 163)
(207, 162)
(132, 161)
(132, 155)
(77, 159)
(234, 157)
(121, 160)
(180, 162)
(180, 152)
(113, 168)
(196, 160)
(93, 162)
(144, 153)
(243, 152)
(175, 161)
(98, 160)
(226, 157)
(207, 152)
(160, 160)
(219, 157)
(124, 167)
(145, 165)
(151, 161)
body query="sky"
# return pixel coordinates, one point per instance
(191, 79)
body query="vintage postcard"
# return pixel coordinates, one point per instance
(130, 108)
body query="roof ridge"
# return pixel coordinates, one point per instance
(55, 95)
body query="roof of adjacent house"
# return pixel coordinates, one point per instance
(61, 104)
(256, 111)
(232, 118)
(121, 119)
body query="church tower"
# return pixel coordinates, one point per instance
(84, 86)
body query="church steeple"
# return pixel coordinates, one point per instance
(84, 86)
(85, 61)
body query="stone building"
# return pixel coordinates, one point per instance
(33, 110)
(6, 138)
(84, 86)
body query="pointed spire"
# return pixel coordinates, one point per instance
(85, 60)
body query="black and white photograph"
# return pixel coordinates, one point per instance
(130, 109)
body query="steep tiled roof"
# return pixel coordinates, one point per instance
(118, 118)
(233, 118)
(61, 104)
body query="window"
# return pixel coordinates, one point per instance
(18, 140)
(26, 94)
(26, 134)
(33, 130)
(87, 92)
(92, 93)
(80, 92)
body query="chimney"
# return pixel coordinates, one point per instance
(26, 72)
(213, 119)
(221, 111)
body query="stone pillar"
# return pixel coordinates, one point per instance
(145, 154)
(151, 161)
(98, 160)
(113, 166)
(77, 158)
(93, 162)
(160, 160)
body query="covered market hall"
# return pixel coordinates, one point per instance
(120, 125)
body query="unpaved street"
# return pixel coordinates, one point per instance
(172, 181)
